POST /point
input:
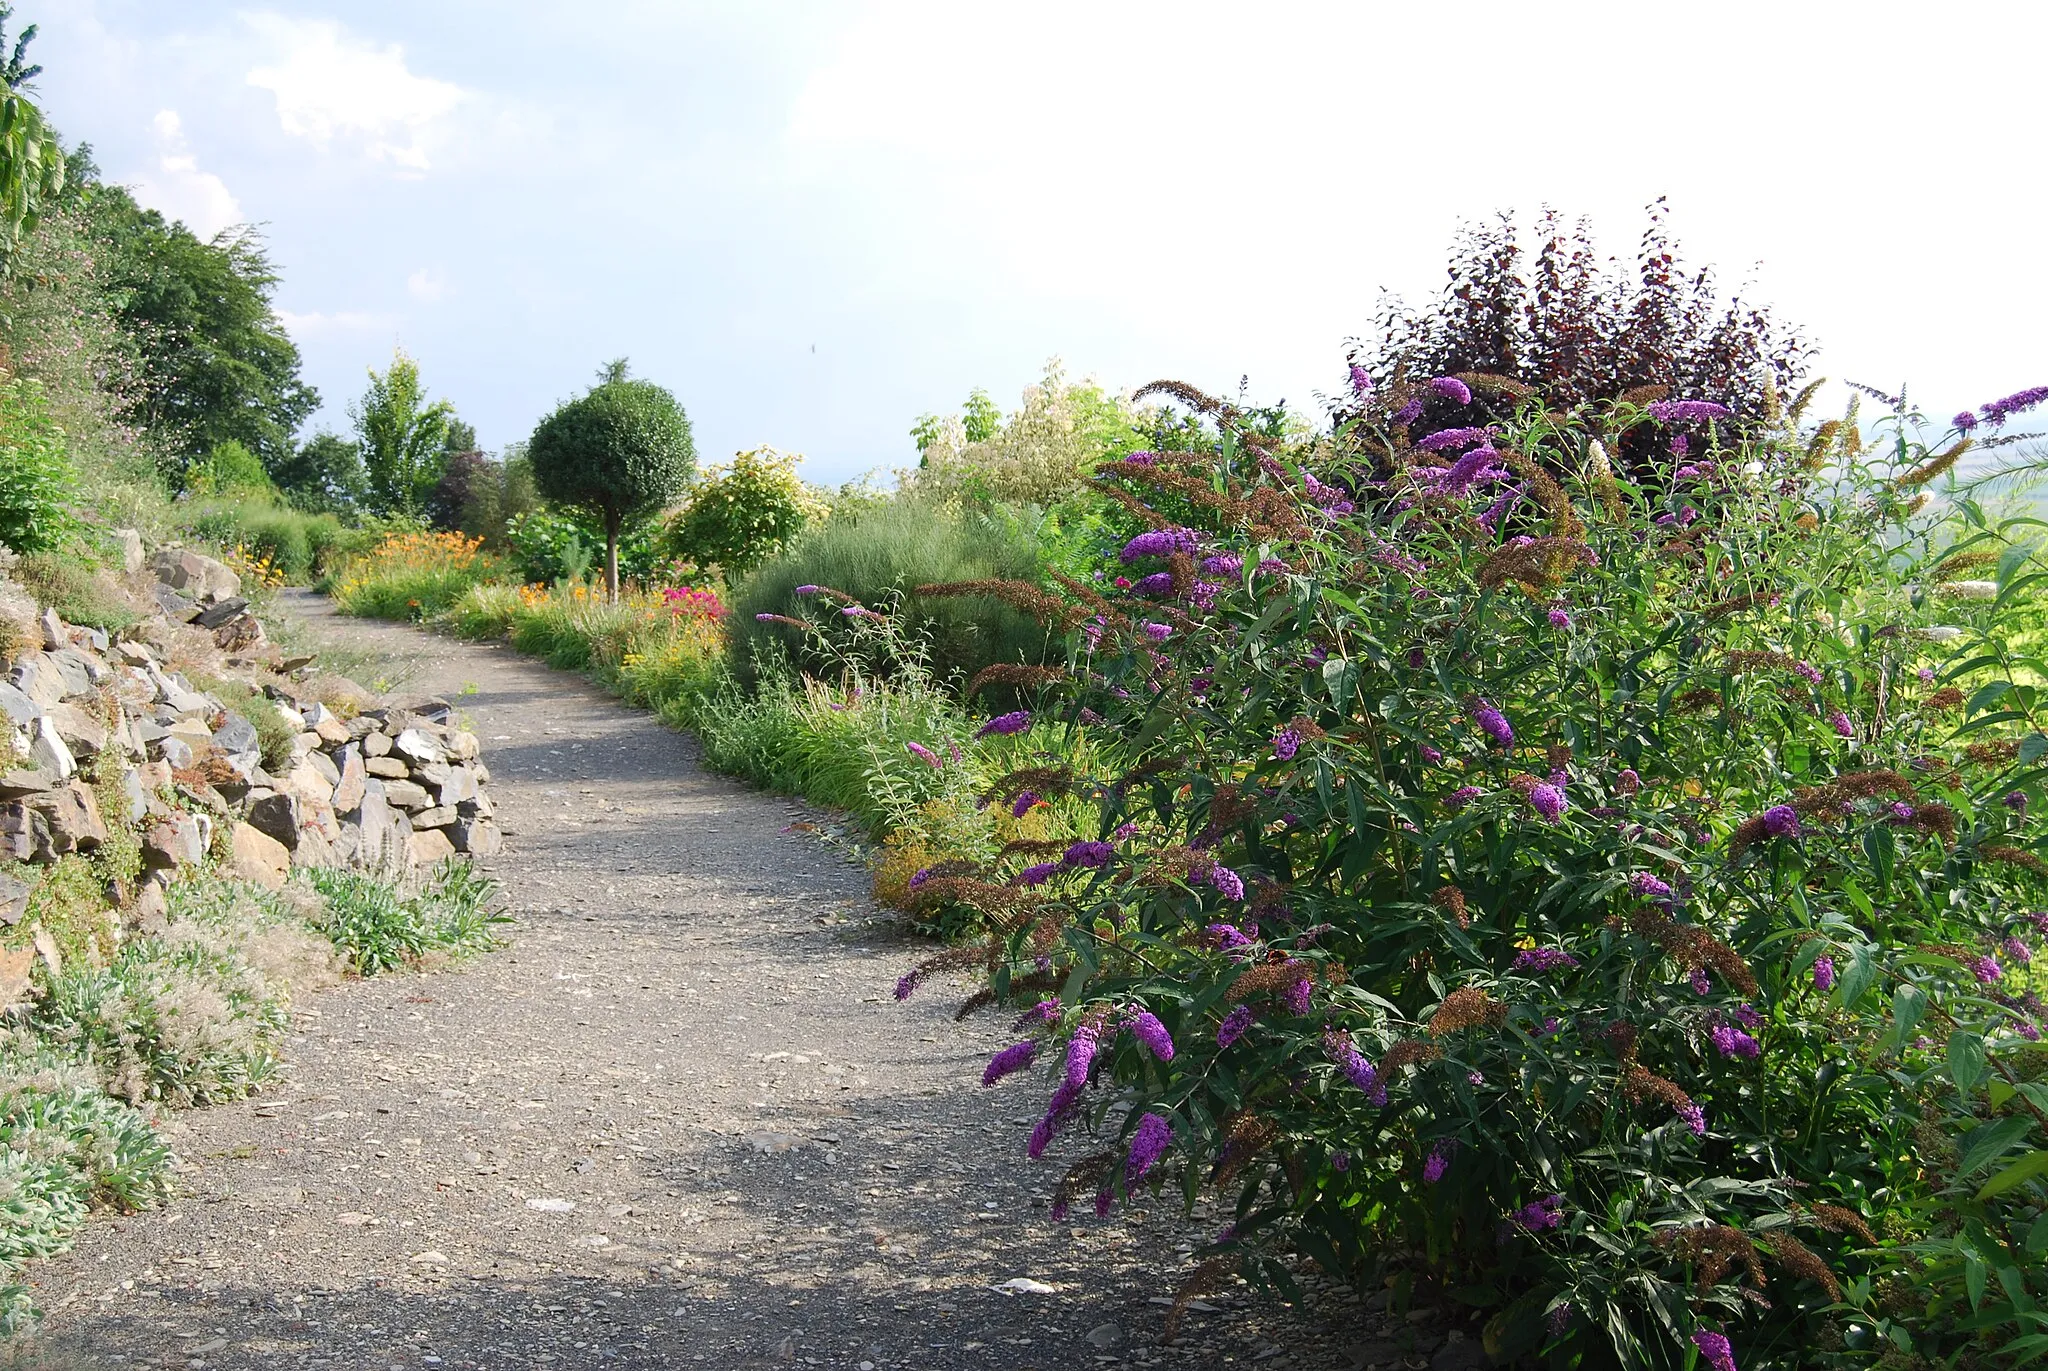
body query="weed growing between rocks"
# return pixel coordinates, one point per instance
(378, 927)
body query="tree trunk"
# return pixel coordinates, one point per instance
(611, 557)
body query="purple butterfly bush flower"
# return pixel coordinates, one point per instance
(1747, 1016)
(1539, 959)
(1429, 754)
(1462, 796)
(1091, 854)
(1234, 1025)
(1679, 445)
(1285, 744)
(1300, 996)
(1781, 821)
(1998, 411)
(1694, 1118)
(1160, 542)
(1022, 804)
(1985, 968)
(1807, 671)
(1840, 723)
(808, 590)
(1448, 438)
(924, 754)
(1148, 1144)
(1731, 1041)
(1226, 936)
(1409, 413)
(907, 985)
(1824, 974)
(1364, 1077)
(923, 874)
(1559, 617)
(1016, 721)
(1045, 1011)
(1648, 886)
(1541, 1216)
(1964, 422)
(1361, 381)
(1063, 1105)
(1683, 411)
(1452, 389)
(1158, 633)
(1147, 1029)
(1902, 813)
(1439, 1160)
(1223, 564)
(2016, 800)
(1081, 1050)
(766, 618)
(2018, 951)
(1701, 985)
(1010, 1060)
(1548, 800)
(1340, 1161)
(1715, 1350)
(1227, 882)
(1037, 875)
(1626, 782)
(1158, 583)
(1493, 723)
(861, 612)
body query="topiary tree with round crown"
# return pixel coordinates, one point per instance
(621, 450)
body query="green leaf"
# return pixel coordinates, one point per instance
(1340, 678)
(1983, 1146)
(2019, 1173)
(1909, 1003)
(1965, 1059)
(1975, 1277)
(2032, 748)
(1862, 973)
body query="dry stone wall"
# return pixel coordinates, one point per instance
(357, 782)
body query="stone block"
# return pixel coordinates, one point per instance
(463, 746)
(197, 576)
(27, 780)
(276, 816)
(48, 750)
(17, 708)
(14, 893)
(86, 736)
(389, 768)
(406, 795)
(129, 543)
(324, 767)
(348, 790)
(439, 816)
(177, 841)
(416, 746)
(23, 834)
(219, 612)
(429, 846)
(73, 816)
(376, 744)
(256, 856)
(479, 837)
(460, 786)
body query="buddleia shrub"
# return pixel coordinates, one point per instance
(1604, 908)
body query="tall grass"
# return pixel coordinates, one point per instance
(880, 556)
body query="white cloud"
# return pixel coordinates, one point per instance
(341, 321)
(339, 91)
(178, 189)
(427, 284)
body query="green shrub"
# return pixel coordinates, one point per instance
(411, 575)
(378, 927)
(878, 556)
(1564, 901)
(301, 547)
(53, 1110)
(551, 546)
(36, 476)
(228, 470)
(744, 512)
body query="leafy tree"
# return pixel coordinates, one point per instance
(1045, 450)
(465, 477)
(746, 512)
(403, 436)
(229, 469)
(31, 160)
(324, 475)
(218, 363)
(461, 437)
(36, 477)
(621, 450)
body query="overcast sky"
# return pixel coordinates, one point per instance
(815, 221)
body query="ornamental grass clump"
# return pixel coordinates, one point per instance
(1596, 980)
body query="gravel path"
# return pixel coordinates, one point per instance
(677, 1121)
